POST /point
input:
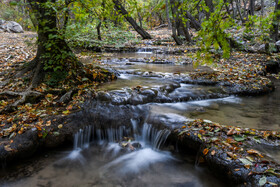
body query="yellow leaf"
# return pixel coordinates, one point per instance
(66, 112)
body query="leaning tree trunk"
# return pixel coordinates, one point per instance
(276, 22)
(53, 53)
(140, 30)
(194, 23)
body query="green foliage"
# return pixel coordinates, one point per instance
(212, 38)
(258, 28)
(86, 36)
(53, 78)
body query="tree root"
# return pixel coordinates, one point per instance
(24, 98)
(31, 65)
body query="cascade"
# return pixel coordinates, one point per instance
(146, 135)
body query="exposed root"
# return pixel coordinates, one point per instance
(25, 96)
(38, 76)
(31, 65)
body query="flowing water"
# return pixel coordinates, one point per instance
(261, 112)
(98, 160)
(135, 156)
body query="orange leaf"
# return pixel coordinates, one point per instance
(38, 127)
(252, 151)
(205, 151)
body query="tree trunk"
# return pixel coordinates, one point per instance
(174, 34)
(175, 22)
(167, 15)
(98, 30)
(140, 30)
(276, 22)
(252, 7)
(53, 53)
(194, 23)
(209, 4)
(262, 8)
(186, 32)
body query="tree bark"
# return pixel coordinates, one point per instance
(276, 22)
(175, 22)
(252, 7)
(167, 15)
(196, 25)
(239, 11)
(98, 30)
(53, 53)
(122, 10)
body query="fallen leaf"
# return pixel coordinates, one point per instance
(8, 148)
(48, 123)
(246, 161)
(238, 138)
(60, 126)
(262, 181)
(252, 151)
(205, 151)
(66, 112)
(231, 132)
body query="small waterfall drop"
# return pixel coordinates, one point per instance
(145, 50)
(146, 135)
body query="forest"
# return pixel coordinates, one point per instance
(140, 93)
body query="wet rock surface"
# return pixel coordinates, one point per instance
(102, 116)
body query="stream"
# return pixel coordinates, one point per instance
(103, 157)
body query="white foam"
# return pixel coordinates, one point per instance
(136, 161)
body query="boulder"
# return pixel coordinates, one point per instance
(11, 26)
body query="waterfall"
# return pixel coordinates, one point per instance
(145, 50)
(152, 136)
(82, 138)
(147, 135)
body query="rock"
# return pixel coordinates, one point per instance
(11, 26)
(214, 106)
(137, 145)
(262, 48)
(277, 46)
(2, 21)
(258, 6)
(272, 67)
